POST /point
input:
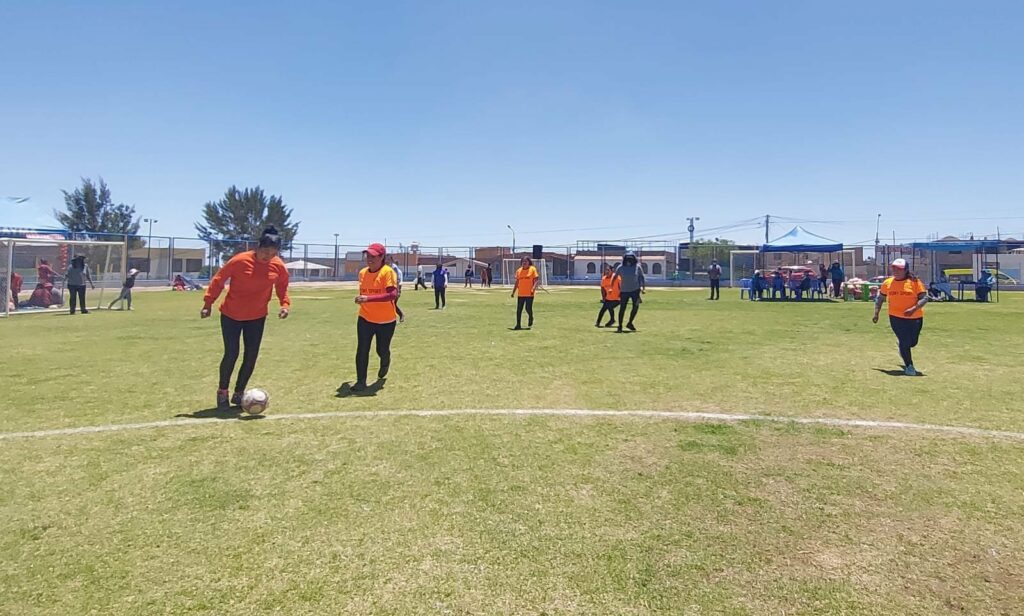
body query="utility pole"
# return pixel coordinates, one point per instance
(691, 229)
(149, 246)
(337, 275)
(767, 223)
(878, 221)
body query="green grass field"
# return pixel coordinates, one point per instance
(492, 514)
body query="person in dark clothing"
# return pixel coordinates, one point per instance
(757, 286)
(983, 287)
(440, 285)
(823, 278)
(77, 275)
(126, 290)
(469, 277)
(838, 277)
(778, 284)
(715, 279)
(630, 277)
(805, 286)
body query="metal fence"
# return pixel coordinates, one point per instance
(162, 258)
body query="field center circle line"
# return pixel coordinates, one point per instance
(667, 415)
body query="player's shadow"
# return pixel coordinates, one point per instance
(215, 413)
(896, 372)
(346, 391)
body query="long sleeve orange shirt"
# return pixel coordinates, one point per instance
(250, 288)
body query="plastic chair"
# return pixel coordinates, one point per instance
(744, 287)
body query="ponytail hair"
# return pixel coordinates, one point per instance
(270, 238)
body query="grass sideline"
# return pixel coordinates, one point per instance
(492, 514)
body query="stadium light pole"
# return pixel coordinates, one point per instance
(149, 246)
(513, 240)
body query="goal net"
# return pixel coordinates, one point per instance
(509, 267)
(32, 273)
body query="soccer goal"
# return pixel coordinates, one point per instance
(32, 273)
(509, 267)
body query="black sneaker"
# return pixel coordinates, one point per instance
(383, 372)
(222, 401)
(610, 324)
(359, 386)
(630, 327)
(236, 399)
(598, 324)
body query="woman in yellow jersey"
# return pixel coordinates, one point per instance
(526, 286)
(907, 296)
(378, 290)
(609, 295)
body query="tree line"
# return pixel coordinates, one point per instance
(241, 214)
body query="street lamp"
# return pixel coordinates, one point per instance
(149, 246)
(336, 256)
(513, 240)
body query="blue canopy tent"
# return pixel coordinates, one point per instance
(977, 247)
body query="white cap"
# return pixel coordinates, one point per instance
(900, 263)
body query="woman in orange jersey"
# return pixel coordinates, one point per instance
(378, 290)
(609, 295)
(526, 286)
(243, 313)
(907, 296)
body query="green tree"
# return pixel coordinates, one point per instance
(702, 252)
(242, 215)
(90, 212)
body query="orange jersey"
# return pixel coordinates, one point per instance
(251, 283)
(611, 286)
(902, 295)
(377, 283)
(524, 280)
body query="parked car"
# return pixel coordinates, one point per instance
(966, 274)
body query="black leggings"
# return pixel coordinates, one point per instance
(716, 289)
(252, 333)
(626, 296)
(77, 293)
(439, 297)
(609, 307)
(524, 302)
(365, 332)
(908, 332)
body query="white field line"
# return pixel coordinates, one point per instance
(662, 415)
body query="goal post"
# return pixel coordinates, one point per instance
(32, 273)
(509, 267)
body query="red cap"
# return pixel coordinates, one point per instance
(376, 250)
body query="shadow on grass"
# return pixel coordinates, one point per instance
(519, 329)
(215, 413)
(346, 391)
(896, 372)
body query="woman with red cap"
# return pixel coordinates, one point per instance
(243, 313)
(907, 296)
(378, 291)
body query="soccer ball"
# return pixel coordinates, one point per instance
(255, 401)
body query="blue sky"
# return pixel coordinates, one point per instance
(442, 122)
